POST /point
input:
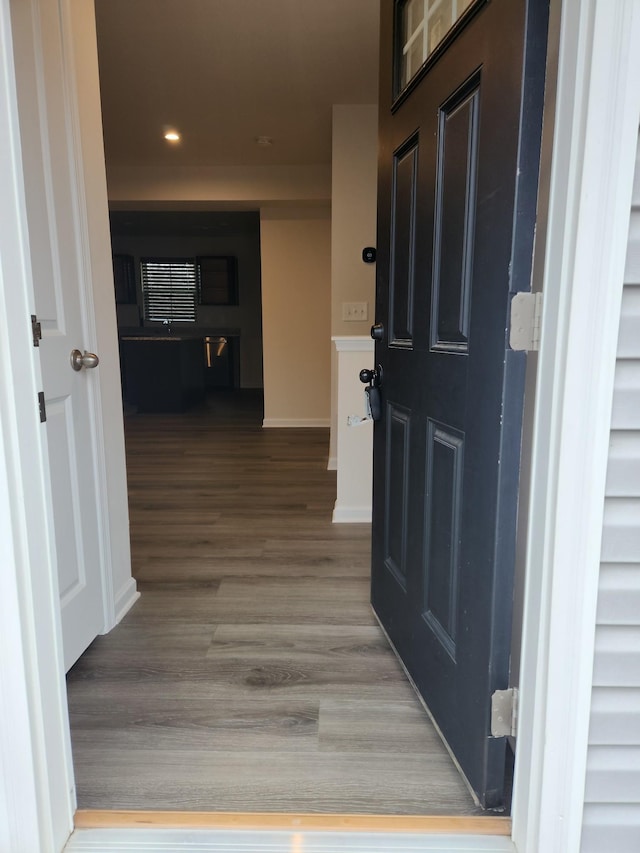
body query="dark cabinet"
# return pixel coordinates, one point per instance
(124, 279)
(217, 280)
(162, 374)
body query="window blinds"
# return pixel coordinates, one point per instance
(169, 289)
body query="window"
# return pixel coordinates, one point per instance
(424, 24)
(169, 289)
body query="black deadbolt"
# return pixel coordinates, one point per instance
(377, 332)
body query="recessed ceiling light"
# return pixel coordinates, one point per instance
(172, 135)
(264, 140)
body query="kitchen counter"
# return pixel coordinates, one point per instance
(162, 373)
(200, 332)
(154, 338)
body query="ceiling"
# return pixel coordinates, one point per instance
(224, 72)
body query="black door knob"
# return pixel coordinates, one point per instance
(377, 332)
(371, 377)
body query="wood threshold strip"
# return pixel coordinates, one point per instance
(437, 824)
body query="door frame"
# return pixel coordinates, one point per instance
(587, 172)
(590, 159)
(35, 751)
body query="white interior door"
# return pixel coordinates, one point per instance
(61, 268)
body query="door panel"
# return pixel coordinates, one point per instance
(443, 489)
(398, 478)
(454, 222)
(401, 297)
(456, 214)
(60, 267)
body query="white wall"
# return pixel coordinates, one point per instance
(354, 441)
(296, 307)
(332, 464)
(354, 193)
(252, 185)
(353, 226)
(612, 795)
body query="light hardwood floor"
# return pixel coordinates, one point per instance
(251, 675)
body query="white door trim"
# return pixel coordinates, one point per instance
(36, 775)
(589, 201)
(593, 157)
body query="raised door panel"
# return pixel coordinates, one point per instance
(444, 491)
(455, 216)
(397, 499)
(403, 243)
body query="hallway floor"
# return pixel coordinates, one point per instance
(251, 675)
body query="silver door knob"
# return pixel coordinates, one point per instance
(83, 359)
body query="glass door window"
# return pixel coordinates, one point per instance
(424, 24)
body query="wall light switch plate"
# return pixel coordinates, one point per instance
(355, 312)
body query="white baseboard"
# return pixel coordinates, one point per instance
(351, 515)
(126, 598)
(295, 423)
(332, 464)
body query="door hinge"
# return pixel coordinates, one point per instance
(504, 713)
(526, 317)
(36, 330)
(42, 407)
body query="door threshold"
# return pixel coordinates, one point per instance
(419, 824)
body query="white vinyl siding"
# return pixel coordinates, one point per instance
(612, 794)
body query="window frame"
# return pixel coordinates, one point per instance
(169, 317)
(402, 90)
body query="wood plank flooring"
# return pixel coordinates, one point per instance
(251, 675)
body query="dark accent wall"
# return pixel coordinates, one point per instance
(189, 234)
